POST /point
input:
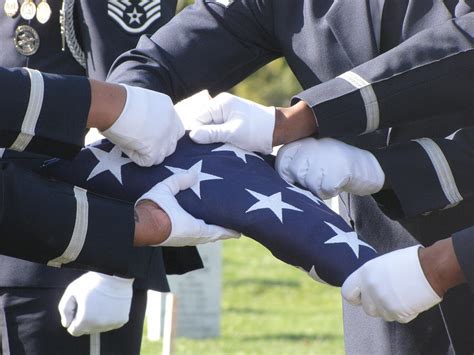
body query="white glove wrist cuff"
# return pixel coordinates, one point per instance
(416, 286)
(121, 124)
(267, 128)
(377, 173)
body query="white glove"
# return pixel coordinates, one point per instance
(185, 229)
(191, 107)
(327, 166)
(95, 303)
(231, 119)
(148, 127)
(392, 286)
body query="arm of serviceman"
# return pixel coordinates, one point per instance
(437, 171)
(428, 75)
(43, 113)
(57, 224)
(206, 46)
(48, 114)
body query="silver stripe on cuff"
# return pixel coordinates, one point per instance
(368, 95)
(79, 233)
(443, 170)
(33, 111)
(2, 151)
(94, 342)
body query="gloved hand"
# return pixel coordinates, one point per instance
(95, 303)
(231, 119)
(392, 286)
(148, 127)
(327, 166)
(185, 229)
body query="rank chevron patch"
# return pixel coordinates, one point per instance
(134, 16)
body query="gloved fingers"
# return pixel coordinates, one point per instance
(67, 308)
(406, 319)
(142, 160)
(213, 133)
(214, 232)
(385, 314)
(329, 188)
(284, 160)
(77, 326)
(369, 306)
(176, 183)
(192, 107)
(213, 112)
(351, 290)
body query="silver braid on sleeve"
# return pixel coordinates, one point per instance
(69, 34)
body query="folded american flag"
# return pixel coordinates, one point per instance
(238, 190)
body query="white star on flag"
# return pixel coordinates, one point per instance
(240, 153)
(108, 161)
(349, 238)
(196, 168)
(306, 193)
(273, 203)
(134, 16)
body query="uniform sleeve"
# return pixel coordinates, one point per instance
(463, 243)
(43, 113)
(58, 224)
(430, 174)
(210, 45)
(426, 76)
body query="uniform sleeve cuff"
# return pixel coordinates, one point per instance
(413, 180)
(338, 108)
(62, 122)
(463, 243)
(109, 241)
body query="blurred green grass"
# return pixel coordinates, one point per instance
(268, 308)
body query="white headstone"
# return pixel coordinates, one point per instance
(198, 296)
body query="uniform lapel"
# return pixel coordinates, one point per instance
(351, 23)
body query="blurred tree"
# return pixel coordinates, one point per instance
(274, 84)
(183, 3)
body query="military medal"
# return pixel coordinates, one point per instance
(28, 9)
(11, 7)
(43, 11)
(26, 40)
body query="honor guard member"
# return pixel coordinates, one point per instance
(341, 52)
(80, 37)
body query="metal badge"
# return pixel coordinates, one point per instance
(28, 10)
(11, 7)
(27, 40)
(43, 12)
